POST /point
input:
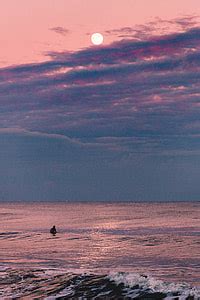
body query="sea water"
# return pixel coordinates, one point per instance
(155, 243)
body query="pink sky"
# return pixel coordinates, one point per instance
(25, 24)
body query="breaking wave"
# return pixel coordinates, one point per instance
(53, 284)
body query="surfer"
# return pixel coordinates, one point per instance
(53, 230)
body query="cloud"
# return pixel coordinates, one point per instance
(115, 122)
(60, 30)
(131, 50)
(128, 89)
(36, 166)
(34, 147)
(156, 27)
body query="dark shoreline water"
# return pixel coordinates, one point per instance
(149, 243)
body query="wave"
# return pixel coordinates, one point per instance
(53, 284)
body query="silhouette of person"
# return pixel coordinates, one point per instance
(53, 230)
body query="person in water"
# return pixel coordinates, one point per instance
(53, 230)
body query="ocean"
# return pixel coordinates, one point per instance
(100, 251)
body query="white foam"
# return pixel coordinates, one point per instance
(155, 285)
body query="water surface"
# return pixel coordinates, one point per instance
(161, 240)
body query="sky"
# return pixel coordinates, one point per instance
(114, 122)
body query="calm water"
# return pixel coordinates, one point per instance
(161, 240)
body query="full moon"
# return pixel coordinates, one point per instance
(97, 38)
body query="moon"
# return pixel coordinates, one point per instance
(97, 38)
